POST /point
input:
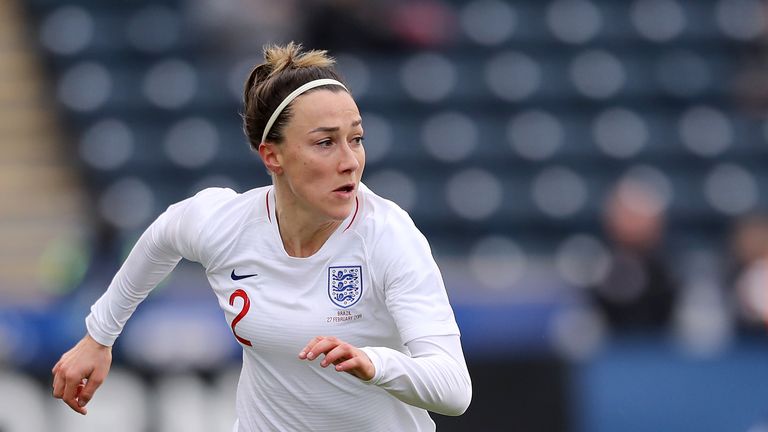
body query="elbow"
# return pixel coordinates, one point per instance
(462, 403)
(459, 402)
(466, 401)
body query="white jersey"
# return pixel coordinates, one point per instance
(373, 284)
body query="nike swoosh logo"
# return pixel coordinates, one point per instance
(238, 277)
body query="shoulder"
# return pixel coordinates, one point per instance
(212, 197)
(389, 234)
(382, 218)
(224, 202)
(219, 215)
(225, 209)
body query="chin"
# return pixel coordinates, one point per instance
(340, 213)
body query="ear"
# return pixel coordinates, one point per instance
(271, 157)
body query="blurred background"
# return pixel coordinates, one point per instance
(592, 176)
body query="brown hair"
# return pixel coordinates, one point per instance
(285, 69)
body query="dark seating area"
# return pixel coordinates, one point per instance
(504, 129)
(542, 109)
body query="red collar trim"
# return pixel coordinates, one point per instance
(357, 206)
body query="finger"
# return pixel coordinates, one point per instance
(90, 387)
(58, 385)
(322, 347)
(358, 366)
(70, 392)
(314, 349)
(336, 355)
(305, 350)
(56, 367)
(72, 403)
(348, 364)
(79, 390)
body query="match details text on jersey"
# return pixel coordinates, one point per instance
(343, 316)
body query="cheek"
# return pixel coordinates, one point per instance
(301, 165)
(309, 173)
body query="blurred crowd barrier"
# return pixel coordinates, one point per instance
(126, 402)
(633, 385)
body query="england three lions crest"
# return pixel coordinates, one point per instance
(345, 285)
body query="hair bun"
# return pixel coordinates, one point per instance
(280, 58)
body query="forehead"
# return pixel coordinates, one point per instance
(323, 108)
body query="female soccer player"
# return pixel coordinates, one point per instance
(331, 290)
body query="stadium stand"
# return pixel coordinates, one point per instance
(502, 134)
(41, 201)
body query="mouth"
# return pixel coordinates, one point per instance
(347, 188)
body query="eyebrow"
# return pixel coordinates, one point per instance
(357, 122)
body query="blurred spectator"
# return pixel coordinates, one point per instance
(357, 25)
(350, 25)
(749, 245)
(638, 291)
(245, 25)
(338, 25)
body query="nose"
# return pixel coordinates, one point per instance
(348, 161)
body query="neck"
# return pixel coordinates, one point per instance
(302, 232)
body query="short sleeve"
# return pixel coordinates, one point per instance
(413, 286)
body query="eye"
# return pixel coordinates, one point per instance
(325, 143)
(358, 140)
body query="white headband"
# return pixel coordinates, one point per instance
(296, 93)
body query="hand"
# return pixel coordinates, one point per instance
(80, 371)
(346, 357)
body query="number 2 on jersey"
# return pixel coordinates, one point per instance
(246, 305)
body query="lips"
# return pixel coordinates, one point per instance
(349, 187)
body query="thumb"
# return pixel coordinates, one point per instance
(89, 388)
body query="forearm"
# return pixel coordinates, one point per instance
(434, 377)
(146, 266)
